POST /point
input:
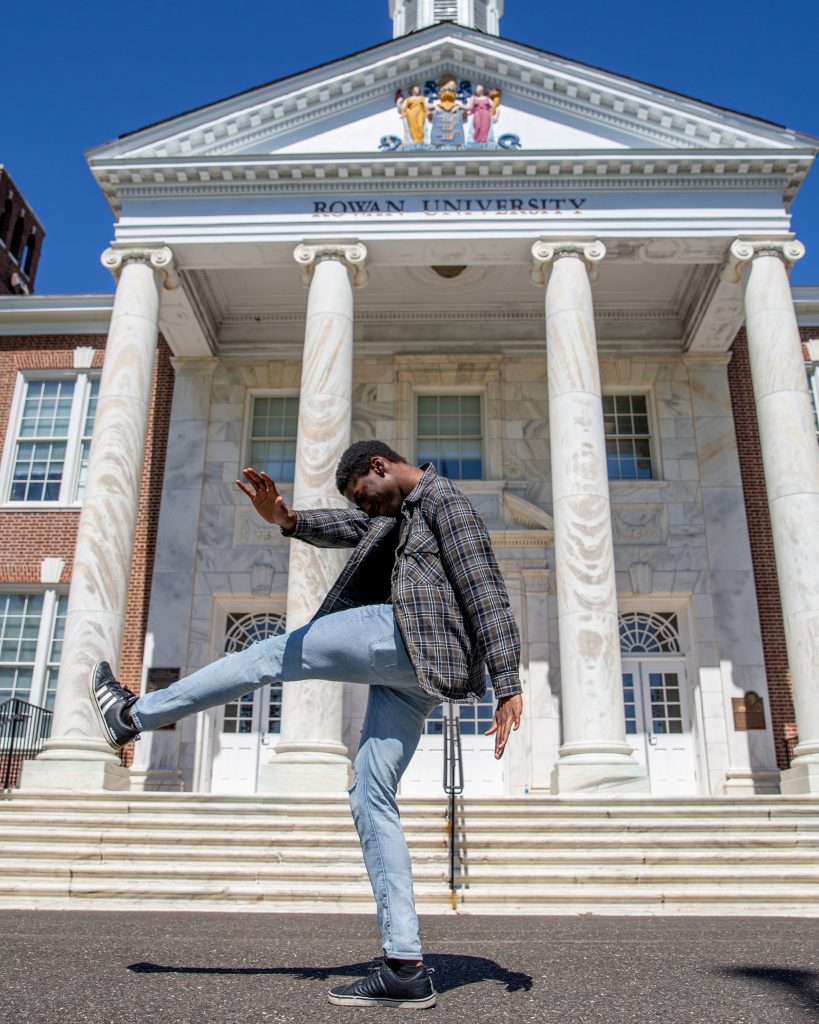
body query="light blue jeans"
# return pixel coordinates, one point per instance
(361, 645)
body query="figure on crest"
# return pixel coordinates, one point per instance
(415, 112)
(484, 112)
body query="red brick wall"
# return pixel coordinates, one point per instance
(759, 530)
(27, 537)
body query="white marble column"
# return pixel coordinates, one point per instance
(310, 756)
(594, 756)
(790, 458)
(76, 757)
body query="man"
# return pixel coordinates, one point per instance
(420, 613)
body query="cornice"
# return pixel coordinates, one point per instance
(32, 315)
(591, 171)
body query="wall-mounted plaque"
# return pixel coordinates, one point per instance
(749, 712)
(159, 679)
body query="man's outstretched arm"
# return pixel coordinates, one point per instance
(330, 527)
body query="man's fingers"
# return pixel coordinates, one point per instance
(247, 490)
(255, 478)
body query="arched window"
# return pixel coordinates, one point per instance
(240, 632)
(31, 251)
(5, 220)
(649, 633)
(16, 247)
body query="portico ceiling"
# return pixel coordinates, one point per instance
(408, 308)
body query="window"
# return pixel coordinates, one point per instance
(241, 631)
(51, 439)
(813, 385)
(475, 718)
(28, 258)
(628, 440)
(16, 246)
(5, 220)
(649, 633)
(31, 635)
(273, 427)
(410, 15)
(481, 16)
(449, 434)
(445, 10)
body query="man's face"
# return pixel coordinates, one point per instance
(377, 492)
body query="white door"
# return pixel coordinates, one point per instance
(658, 724)
(244, 725)
(483, 775)
(237, 746)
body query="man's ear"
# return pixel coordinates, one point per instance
(377, 465)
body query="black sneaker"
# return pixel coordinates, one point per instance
(110, 701)
(384, 987)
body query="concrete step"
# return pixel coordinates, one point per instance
(314, 853)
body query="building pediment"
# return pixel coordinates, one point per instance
(348, 107)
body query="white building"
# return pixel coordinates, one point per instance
(548, 315)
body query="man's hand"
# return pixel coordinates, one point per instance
(507, 718)
(266, 499)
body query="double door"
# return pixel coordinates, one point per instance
(659, 724)
(483, 774)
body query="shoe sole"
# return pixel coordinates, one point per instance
(401, 1004)
(100, 719)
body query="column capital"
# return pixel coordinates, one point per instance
(744, 251)
(545, 253)
(158, 257)
(352, 254)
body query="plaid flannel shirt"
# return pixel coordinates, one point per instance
(436, 564)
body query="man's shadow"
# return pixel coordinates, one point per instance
(451, 971)
(802, 984)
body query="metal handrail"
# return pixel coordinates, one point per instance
(790, 743)
(24, 728)
(453, 775)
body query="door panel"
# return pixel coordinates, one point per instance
(659, 726)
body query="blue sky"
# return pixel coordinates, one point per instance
(78, 75)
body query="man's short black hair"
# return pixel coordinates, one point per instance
(356, 460)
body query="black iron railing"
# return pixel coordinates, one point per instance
(790, 743)
(453, 776)
(24, 728)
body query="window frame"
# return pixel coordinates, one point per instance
(69, 480)
(51, 595)
(447, 391)
(250, 397)
(647, 392)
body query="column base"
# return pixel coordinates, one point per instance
(302, 768)
(740, 782)
(593, 769)
(800, 779)
(156, 780)
(75, 776)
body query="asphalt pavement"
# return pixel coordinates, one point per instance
(174, 968)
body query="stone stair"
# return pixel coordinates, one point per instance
(756, 855)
